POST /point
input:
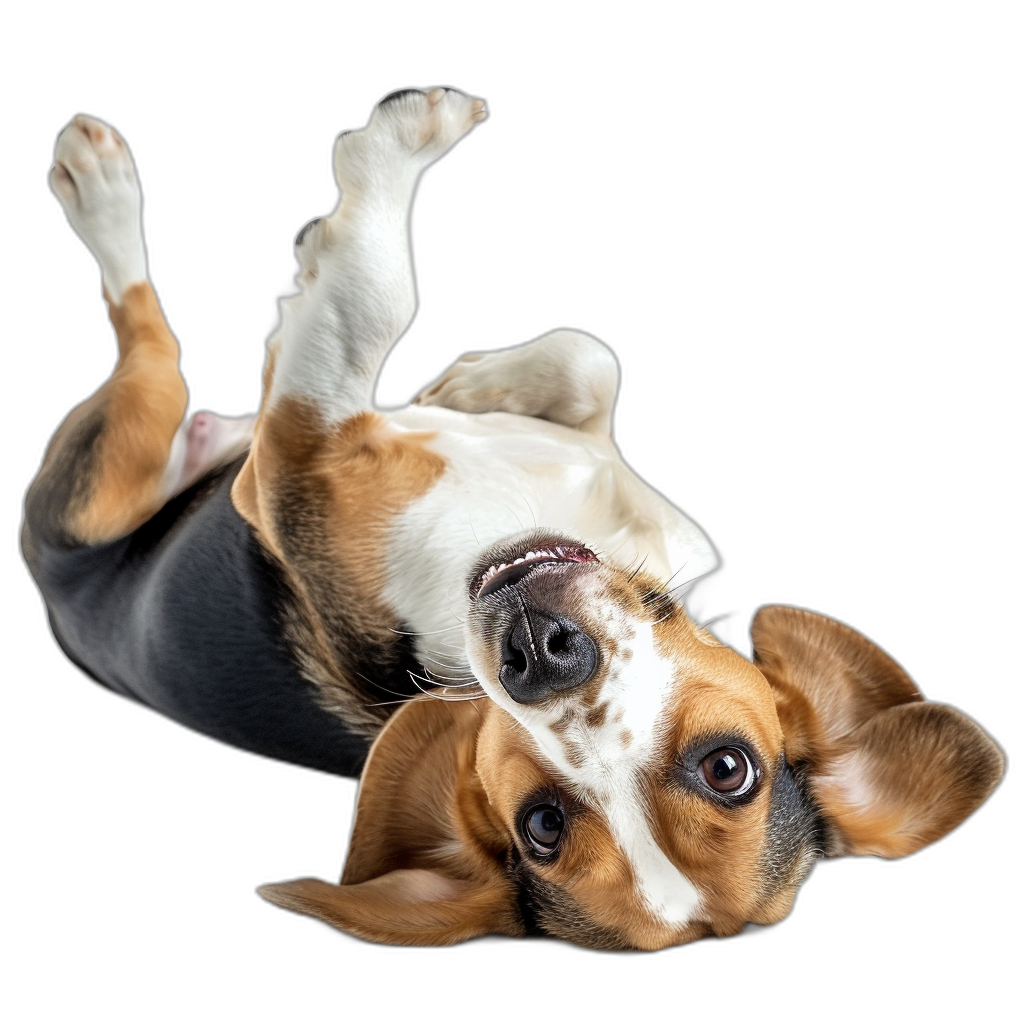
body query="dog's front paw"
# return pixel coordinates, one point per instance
(429, 122)
(408, 130)
(564, 376)
(478, 382)
(94, 178)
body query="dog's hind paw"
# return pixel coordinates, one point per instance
(94, 178)
(408, 130)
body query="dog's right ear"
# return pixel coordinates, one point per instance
(888, 770)
(426, 861)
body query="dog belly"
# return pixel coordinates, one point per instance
(183, 616)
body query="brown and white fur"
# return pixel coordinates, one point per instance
(626, 781)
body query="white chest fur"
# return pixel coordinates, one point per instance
(509, 473)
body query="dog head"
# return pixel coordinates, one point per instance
(633, 783)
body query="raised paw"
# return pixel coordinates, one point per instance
(479, 382)
(408, 130)
(565, 376)
(429, 122)
(93, 176)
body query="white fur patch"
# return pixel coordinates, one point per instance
(604, 766)
(94, 178)
(563, 480)
(358, 293)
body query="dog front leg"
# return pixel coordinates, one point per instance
(564, 376)
(359, 294)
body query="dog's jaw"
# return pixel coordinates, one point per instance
(508, 569)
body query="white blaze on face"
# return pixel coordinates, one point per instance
(604, 763)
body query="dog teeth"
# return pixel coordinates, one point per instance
(558, 553)
(530, 556)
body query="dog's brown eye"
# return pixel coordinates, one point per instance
(728, 771)
(543, 827)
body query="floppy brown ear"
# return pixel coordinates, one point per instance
(426, 860)
(889, 771)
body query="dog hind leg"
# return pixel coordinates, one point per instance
(105, 471)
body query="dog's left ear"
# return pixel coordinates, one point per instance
(426, 861)
(889, 771)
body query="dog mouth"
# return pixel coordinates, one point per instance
(513, 565)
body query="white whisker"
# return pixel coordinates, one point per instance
(444, 655)
(452, 679)
(428, 632)
(454, 647)
(460, 668)
(435, 693)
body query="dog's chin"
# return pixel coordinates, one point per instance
(509, 565)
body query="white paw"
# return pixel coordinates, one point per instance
(313, 239)
(94, 178)
(479, 382)
(408, 131)
(564, 376)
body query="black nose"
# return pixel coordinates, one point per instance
(543, 655)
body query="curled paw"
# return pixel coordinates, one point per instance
(93, 170)
(94, 178)
(408, 129)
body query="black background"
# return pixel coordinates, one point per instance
(794, 264)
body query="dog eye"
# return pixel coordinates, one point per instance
(728, 771)
(543, 826)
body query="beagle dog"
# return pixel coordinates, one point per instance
(472, 601)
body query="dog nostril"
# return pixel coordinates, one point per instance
(558, 642)
(544, 654)
(515, 658)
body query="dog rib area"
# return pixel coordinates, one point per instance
(324, 497)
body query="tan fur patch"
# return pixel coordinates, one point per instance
(131, 421)
(833, 669)
(718, 848)
(244, 494)
(322, 498)
(426, 863)
(913, 773)
(596, 716)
